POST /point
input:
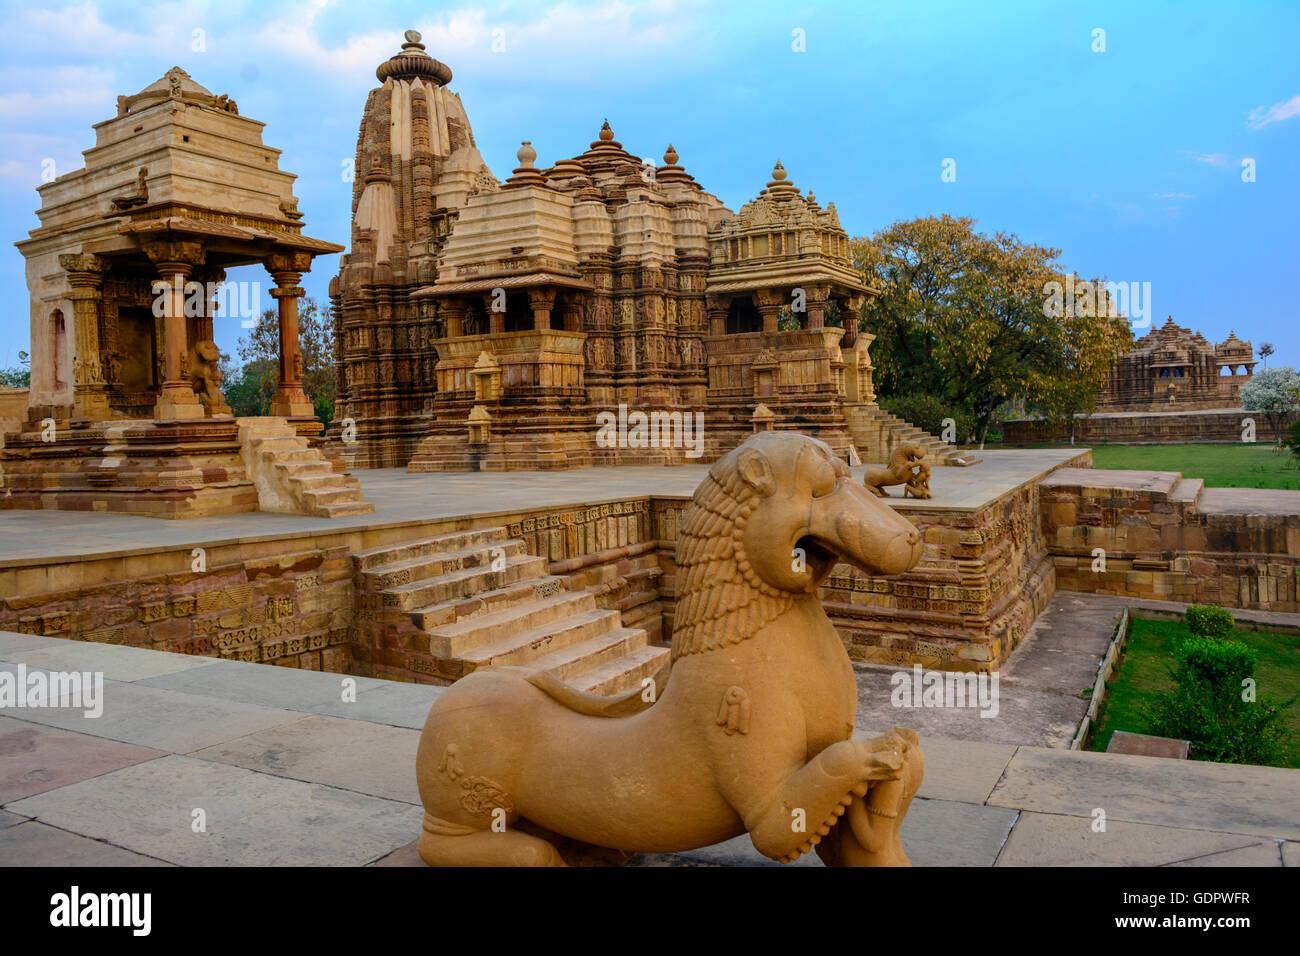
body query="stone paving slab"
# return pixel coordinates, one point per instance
(348, 754)
(34, 759)
(164, 719)
(1045, 839)
(1188, 793)
(263, 685)
(35, 844)
(8, 819)
(1290, 853)
(935, 833)
(1038, 685)
(962, 770)
(396, 704)
(48, 537)
(13, 643)
(1025, 715)
(115, 662)
(253, 819)
(1257, 854)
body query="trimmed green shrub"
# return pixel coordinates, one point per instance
(1210, 707)
(927, 413)
(1208, 620)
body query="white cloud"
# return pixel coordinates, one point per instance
(1174, 195)
(1285, 110)
(59, 91)
(1217, 160)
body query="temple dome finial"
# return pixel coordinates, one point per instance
(412, 62)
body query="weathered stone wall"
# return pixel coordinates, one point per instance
(1137, 429)
(1161, 538)
(276, 604)
(982, 579)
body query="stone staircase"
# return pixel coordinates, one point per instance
(876, 434)
(291, 476)
(479, 600)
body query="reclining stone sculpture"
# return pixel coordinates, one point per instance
(750, 731)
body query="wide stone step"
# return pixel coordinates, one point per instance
(464, 583)
(427, 566)
(522, 647)
(279, 443)
(486, 602)
(316, 497)
(567, 663)
(623, 673)
(298, 469)
(344, 509)
(459, 637)
(452, 541)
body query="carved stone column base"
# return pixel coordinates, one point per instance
(176, 402)
(92, 405)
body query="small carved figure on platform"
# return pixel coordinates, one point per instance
(906, 467)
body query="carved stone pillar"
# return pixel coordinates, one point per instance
(541, 301)
(717, 306)
(453, 314)
(496, 317)
(89, 393)
(850, 313)
(289, 401)
(175, 260)
(816, 296)
(769, 303)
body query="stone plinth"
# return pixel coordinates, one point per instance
(164, 469)
(1158, 535)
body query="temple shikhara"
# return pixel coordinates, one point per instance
(1175, 369)
(487, 324)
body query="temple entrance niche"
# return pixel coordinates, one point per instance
(743, 316)
(137, 379)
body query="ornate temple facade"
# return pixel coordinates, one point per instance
(596, 311)
(125, 411)
(1175, 369)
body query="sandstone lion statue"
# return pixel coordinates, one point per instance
(204, 362)
(751, 729)
(906, 467)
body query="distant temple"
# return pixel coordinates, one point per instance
(491, 325)
(1175, 369)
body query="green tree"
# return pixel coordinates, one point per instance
(249, 388)
(15, 377)
(260, 351)
(965, 317)
(1273, 392)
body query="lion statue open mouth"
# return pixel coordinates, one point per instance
(750, 734)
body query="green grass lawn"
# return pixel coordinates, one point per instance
(1144, 671)
(1227, 465)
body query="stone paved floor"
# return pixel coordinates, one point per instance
(286, 772)
(1040, 684)
(44, 536)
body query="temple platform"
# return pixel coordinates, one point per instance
(402, 500)
(286, 773)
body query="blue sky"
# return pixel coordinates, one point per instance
(1128, 160)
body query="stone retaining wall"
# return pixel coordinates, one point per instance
(1211, 426)
(1159, 541)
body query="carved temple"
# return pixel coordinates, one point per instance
(125, 411)
(1174, 369)
(491, 325)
